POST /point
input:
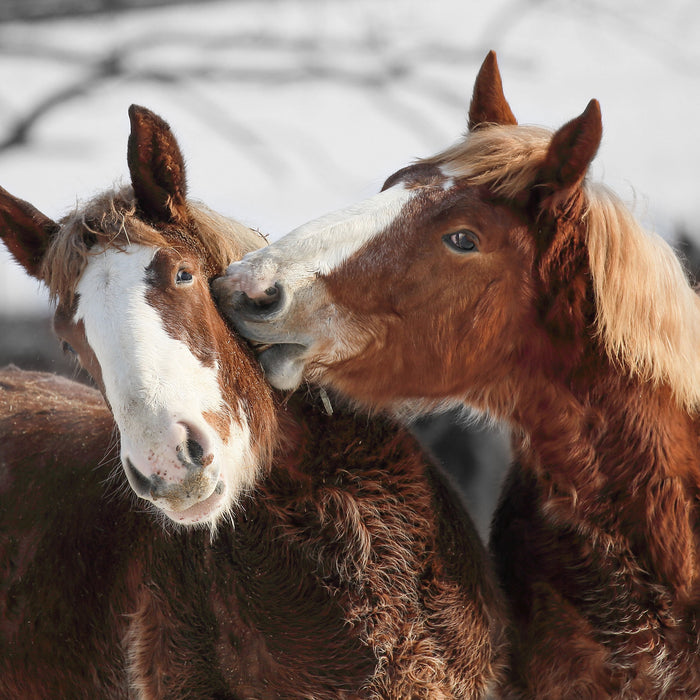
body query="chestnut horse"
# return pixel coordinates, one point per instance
(323, 557)
(495, 274)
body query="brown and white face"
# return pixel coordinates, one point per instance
(386, 300)
(403, 296)
(142, 325)
(190, 402)
(425, 292)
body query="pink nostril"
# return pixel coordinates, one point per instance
(242, 292)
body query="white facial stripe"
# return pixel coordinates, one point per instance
(323, 244)
(147, 373)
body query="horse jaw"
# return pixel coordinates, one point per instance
(164, 400)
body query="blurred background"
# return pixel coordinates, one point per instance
(286, 109)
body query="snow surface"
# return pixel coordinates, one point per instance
(286, 109)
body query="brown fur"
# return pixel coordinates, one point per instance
(350, 570)
(578, 328)
(343, 575)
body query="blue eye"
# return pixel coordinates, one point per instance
(183, 277)
(463, 241)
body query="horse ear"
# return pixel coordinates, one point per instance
(26, 232)
(156, 166)
(571, 151)
(489, 105)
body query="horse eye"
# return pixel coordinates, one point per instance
(183, 277)
(463, 241)
(67, 348)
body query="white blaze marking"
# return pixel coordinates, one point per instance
(319, 246)
(152, 380)
(333, 238)
(140, 362)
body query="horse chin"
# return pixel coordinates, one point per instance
(206, 512)
(283, 365)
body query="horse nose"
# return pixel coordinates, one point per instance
(187, 489)
(185, 464)
(249, 301)
(138, 481)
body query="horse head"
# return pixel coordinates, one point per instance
(424, 290)
(129, 274)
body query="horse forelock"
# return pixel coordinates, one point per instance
(647, 313)
(104, 222)
(111, 220)
(504, 158)
(223, 239)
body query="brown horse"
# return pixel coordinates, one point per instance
(324, 556)
(496, 275)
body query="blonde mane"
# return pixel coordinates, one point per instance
(647, 314)
(110, 220)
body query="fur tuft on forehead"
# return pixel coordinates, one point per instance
(111, 220)
(505, 158)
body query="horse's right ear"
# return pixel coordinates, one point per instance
(25, 231)
(489, 105)
(157, 167)
(570, 153)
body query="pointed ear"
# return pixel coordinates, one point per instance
(571, 151)
(25, 231)
(489, 105)
(157, 167)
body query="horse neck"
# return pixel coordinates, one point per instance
(593, 426)
(625, 427)
(616, 458)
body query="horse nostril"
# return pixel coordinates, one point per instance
(195, 451)
(272, 293)
(260, 304)
(266, 301)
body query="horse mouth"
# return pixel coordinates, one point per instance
(260, 347)
(282, 363)
(205, 511)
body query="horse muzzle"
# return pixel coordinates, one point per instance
(183, 480)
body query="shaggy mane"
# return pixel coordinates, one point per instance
(647, 314)
(111, 220)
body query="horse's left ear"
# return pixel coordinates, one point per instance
(570, 152)
(156, 166)
(489, 104)
(25, 231)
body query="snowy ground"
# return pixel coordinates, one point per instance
(288, 108)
